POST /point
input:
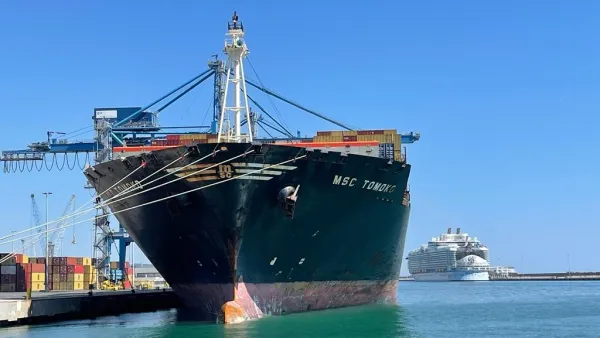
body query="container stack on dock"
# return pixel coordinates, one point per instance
(17, 274)
(68, 273)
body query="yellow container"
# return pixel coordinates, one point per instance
(78, 286)
(87, 261)
(390, 132)
(89, 277)
(38, 277)
(37, 286)
(78, 277)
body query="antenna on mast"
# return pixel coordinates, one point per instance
(236, 51)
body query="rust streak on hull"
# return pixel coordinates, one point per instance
(253, 301)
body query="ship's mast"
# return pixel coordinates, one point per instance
(236, 50)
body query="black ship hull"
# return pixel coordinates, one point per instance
(242, 248)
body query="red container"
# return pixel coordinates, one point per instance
(127, 284)
(350, 138)
(71, 260)
(38, 268)
(78, 269)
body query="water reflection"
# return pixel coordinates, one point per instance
(362, 321)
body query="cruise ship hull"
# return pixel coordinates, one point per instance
(236, 248)
(451, 276)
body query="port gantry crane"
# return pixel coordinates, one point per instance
(57, 230)
(137, 126)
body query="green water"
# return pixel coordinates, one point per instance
(473, 309)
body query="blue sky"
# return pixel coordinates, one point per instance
(504, 94)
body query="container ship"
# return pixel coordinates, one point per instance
(242, 228)
(450, 257)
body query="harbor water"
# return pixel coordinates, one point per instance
(444, 309)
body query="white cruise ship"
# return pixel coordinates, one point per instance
(450, 257)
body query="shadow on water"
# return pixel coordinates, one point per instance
(362, 321)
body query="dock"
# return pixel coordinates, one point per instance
(53, 306)
(551, 276)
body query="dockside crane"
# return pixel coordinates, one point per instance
(138, 126)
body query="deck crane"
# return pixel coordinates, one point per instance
(131, 126)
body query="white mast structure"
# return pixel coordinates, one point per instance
(236, 51)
